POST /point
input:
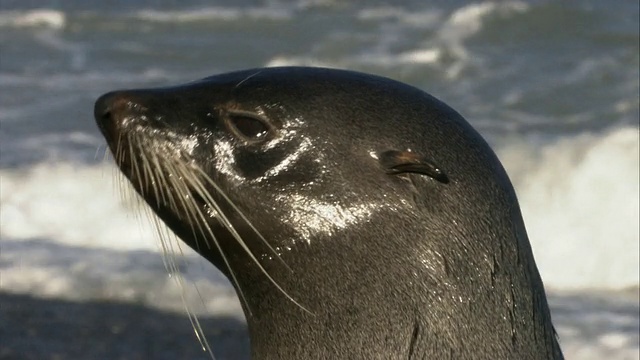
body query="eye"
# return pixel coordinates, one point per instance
(249, 127)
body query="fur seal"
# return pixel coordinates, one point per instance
(357, 217)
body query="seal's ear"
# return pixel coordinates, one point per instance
(399, 162)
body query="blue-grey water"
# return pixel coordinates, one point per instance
(552, 85)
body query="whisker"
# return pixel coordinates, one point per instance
(98, 149)
(146, 168)
(203, 225)
(169, 180)
(149, 174)
(174, 184)
(119, 175)
(120, 149)
(237, 210)
(182, 195)
(162, 182)
(200, 189)
(136, 168)
(193, 318)
(247, 78)
(188, 206)
(171, 264)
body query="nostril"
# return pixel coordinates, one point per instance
(106, 116)
(103, 107)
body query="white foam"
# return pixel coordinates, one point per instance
(283, 60)
(466, 22)
(421, 56)
(66, 233)
(215, 13)
(579, 198)
(46, 269)
(421, 19)
(70, 204)
(34, 18)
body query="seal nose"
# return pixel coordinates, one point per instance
(103, 113)
(102, 107)
(108, 106)
(112, 110)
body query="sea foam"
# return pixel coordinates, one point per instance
(579, 198)
(33, 18)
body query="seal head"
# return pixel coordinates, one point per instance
(356, 216)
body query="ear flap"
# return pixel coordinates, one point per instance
(399, 162)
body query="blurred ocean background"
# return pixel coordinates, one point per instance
(552, 85)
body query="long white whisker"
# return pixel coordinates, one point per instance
(200, 189)
(238, 211)
(167, 182)
(183, 197)
(204, 225)
(149, 173)
(193, 318)
(135, 167)
(160, 177)
(184, 200)
(97, 153)
(247, 78)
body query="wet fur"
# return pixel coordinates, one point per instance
(341, 235)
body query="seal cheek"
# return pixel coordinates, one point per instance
(400, 162)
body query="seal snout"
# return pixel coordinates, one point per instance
(102, 107)
(114, 111)
(111, 108)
